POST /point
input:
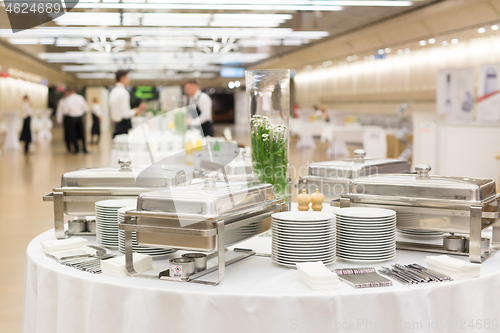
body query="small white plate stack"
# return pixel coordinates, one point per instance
(155, 252)
(366, 234)
(406, 220)
(106, 221)
(302, 237)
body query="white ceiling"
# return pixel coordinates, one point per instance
(171, 40)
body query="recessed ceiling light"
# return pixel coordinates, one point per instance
(400, 52)
(432, 40)
(445, 42)
(237, 84)
(380, 51)
(494, 27)
(349, 58)
(454, 41)
(422, 42)
(354, 57)
(481, 30)
(387, 50)
(407, 50)
(230, 85)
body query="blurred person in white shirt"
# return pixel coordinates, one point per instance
(65, 121)
(75, 106)
(96, 121)
(26, 113)
(119, 104)
(203, 103)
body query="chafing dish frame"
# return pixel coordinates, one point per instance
(219, 228)
(473, 210)
(62, 196)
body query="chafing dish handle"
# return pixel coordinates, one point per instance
(59, 214)
(48, 197)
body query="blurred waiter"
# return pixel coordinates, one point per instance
(203, 103)
(26, 113)
(75, 107)
(119, 104)
(65, 121)
(96, 121)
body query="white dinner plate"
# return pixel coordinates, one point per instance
(361, 261)
(303, 216)
(116, 203)
(365, 212)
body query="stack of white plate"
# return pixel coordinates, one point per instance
(106, 221)
(302, 237)
(405, 222)
(366, 234)
(420, 233)
(152, 251)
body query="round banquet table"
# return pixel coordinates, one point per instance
(255, 296)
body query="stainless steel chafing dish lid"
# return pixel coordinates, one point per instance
(423, 186)
(207, 199)
(357, 167)
(122, 177)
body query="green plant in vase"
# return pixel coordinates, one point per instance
(270, 154)
(279, 159)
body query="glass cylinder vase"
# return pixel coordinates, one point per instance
(268, 95)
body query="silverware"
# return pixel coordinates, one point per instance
(362, 277)
(413, 274)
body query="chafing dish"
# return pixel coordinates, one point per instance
(81, 189)
(332, 178)
(205, 216)
(458, 205)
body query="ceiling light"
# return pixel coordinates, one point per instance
(349, 58)
(422, 43)
(454, 41)
(432, 40)
(128, 32)
(400, 52)
(237, 84)
(71, 42)
(230, 85)
(494, 27)
(481, 30)
(380, 51)
(200, 5)
(354, 57)
(444, 43)
(308, 67)
(387, 50)
(88, 18)
(372, 57)
(407, 50)
(325, 5)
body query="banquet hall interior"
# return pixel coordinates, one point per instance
(411, 82)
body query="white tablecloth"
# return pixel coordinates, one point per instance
(255, 296)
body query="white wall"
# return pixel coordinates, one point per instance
(171, 98)
(378, 86)
(13, 90)
(240, 108)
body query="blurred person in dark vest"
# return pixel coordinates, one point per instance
(75, 107)
(65, 121)
(96, 121)
(119, 104)
(203, 104)
(26, 113)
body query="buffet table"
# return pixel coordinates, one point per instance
(255, 296)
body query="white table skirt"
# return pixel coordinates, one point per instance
(255, 296)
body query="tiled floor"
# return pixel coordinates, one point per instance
(23, 214)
